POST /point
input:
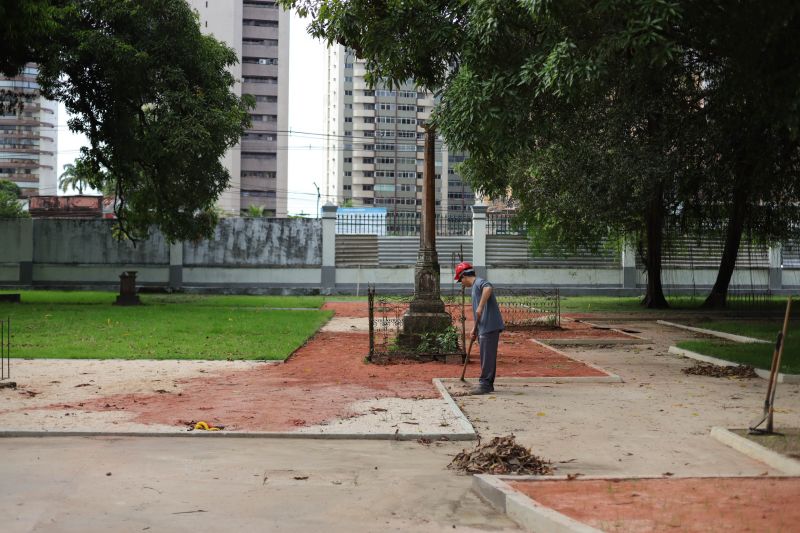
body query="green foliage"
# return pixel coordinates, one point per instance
(441, 343)
(80, 175)
(10, 206)
(10, 188)
(254, 211)
(25, 26)
(151, 93)
(605, 120)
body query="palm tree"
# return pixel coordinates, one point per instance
(255, 211)
(73, 177)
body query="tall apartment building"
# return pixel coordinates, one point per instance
(375, 141)
(259, 32)
(28, 137)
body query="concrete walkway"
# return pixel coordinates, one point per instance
(90, 484)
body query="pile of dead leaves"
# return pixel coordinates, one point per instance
(500, 456)
(714, 371)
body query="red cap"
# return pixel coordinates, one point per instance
(461, 268)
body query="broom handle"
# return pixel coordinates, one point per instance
(774, 375)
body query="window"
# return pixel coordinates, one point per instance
(264, 118)
(271, 80)
(348, 106)
(260, 60)
(265, 98)
(384, 120)
(348, 92)
(347, 187)
(259, 174)
(257, 3)
(257, 40)
(368, 201)
(348, 79)
(385, 160)
(348, 65)
(385, 147)
(405, 188)
(368, 147)
(366, 187)
(251, 136)
(369, 92)
(348, 159)
(406, 134)
(259, 155)
(348, 134)
(368, 160)
(260, 23)
(384, 92)
(383, 187)
(386, 107)
(368, 120)
(406, 107)
(407, 94)
(348, 119)
(368, 173)
(367, 133)
(384, 133)
(384, 173)
(406, 147)
(348, 174)
(369, 107)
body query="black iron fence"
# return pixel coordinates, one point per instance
(530, 308)
(401, 223)
(504, 223)
(5, 349)
(386, 340)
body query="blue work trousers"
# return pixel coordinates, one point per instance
(488, 344)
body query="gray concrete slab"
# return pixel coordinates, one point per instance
(137, 484)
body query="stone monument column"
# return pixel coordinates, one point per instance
(426, 312)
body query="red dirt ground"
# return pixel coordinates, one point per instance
(693, 504)
(320, 380)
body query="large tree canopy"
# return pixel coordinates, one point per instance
(153, 96)
(618, 117)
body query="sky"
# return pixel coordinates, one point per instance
(307, 64)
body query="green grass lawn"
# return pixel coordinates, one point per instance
(621, 304)
(757, 355)
(86, 325)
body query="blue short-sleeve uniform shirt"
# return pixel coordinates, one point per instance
(491, 319)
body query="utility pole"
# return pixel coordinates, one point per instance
(318, 197)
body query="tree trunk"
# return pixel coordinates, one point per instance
(654, 297)
(733, 237)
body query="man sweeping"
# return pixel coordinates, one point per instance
(488, 323)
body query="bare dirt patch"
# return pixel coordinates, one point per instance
(688, 504)
(785, 441)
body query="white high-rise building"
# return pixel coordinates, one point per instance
(258, 30)
(375, 140)
(29, 137)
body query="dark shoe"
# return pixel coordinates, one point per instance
(481, 390)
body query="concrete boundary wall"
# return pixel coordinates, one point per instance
(305, 256)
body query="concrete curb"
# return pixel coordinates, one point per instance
(614, 378)
(244, 435)
(466, 425)
(763, 374)
(525, 511)
(721, 334)
(593, 341)
(787, 465)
